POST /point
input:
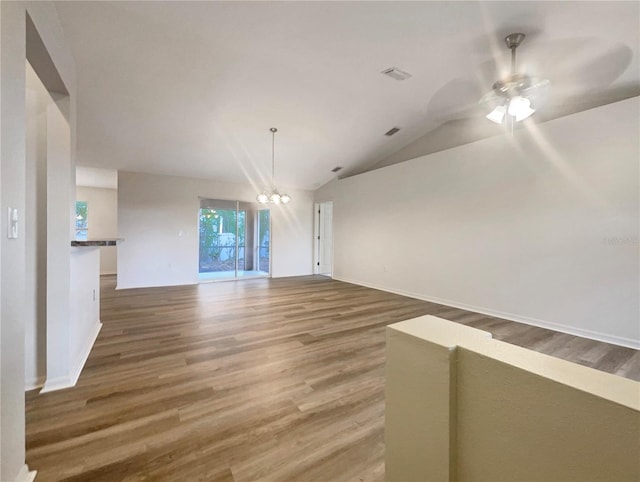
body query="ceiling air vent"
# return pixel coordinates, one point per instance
(336, 169)
(396, 73)
(392, 131)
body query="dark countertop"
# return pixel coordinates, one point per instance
(96, 242)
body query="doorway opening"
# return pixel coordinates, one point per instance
(234, 240)
(324, 238)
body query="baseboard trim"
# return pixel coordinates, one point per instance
(70, 380)
(77, 367)
(550, 325)
(25, 476)
(33, 383)
(59, 383)
(135, 287)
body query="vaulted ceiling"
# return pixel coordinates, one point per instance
(192, 88)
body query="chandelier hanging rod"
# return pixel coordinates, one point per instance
(273, 156)
(275, 197)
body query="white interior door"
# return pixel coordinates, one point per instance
(325, 238)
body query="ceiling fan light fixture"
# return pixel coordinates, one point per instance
(520, 108)
(497, 114)
(512, 94)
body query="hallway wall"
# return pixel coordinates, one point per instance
(539, 227)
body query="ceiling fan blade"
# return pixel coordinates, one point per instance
(537, 84)
(456, 99)
(575, 66)
(490, 97)
(559, 70)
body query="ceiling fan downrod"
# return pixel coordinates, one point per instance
(513, 41)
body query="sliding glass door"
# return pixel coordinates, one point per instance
(234, 240)
(264, 236)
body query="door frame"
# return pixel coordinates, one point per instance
(317, 245)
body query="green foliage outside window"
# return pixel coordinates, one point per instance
(214, 225)
(263, 228)
(81, 220)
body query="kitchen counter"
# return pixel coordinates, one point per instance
(96, 242)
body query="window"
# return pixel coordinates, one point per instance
(81, 220)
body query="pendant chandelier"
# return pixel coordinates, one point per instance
(274, 197)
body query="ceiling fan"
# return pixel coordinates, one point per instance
(511, 98)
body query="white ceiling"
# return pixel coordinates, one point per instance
(192, 88)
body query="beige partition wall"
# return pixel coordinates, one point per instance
(464, 407)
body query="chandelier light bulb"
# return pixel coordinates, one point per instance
(275, 198)
(262, 198)
(520, 108)
(497, 114)
(285, 198)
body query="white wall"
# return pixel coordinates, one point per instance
(84, 320)
(12, 281)
(12, 190)
(102, 209)
(60, 196)
(460, 406)
(96, 177)
(158, 219)
(541, 227)
(36, 231)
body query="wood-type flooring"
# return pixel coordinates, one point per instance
(265, 379)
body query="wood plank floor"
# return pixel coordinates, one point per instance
(266, 379)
